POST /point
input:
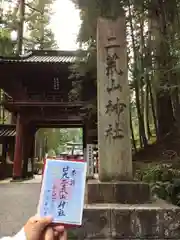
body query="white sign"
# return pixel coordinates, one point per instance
(90, 160)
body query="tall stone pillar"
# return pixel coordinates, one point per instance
(115, 161)
(18, 154)
(113, 101)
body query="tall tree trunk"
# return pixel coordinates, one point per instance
(146, 111)
(164, 114)
(165, 117)
(142, 134)
(21, 27)
(132, 133)
(42, 30)
(153, 107)
(148, 75)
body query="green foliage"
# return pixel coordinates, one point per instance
(71, 235)
(90, 11)
(164, 181)
(54, 139)
(51, 153)
(158, 172)
(40, 36)
(7, 25)
(6, 45)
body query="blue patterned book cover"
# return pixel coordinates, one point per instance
(62, 192)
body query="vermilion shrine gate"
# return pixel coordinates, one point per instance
(37, 92)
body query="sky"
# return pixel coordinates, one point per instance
(65, 24)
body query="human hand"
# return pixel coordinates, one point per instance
(39, 229)
(55, 233)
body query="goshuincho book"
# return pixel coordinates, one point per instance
(62, 191)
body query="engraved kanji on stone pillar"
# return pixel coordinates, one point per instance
(113, 101)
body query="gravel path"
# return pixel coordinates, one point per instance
(18, 202)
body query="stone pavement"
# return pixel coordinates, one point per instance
(18, 202)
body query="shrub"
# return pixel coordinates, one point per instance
(164, 181)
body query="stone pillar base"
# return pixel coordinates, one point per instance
(123, 221)
(21, 179)
(16, 179)
(117, 192)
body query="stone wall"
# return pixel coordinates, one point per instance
(121, 221)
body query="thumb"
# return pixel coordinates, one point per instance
(48, 235)
(43, 223)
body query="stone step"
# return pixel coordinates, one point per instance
(117, 192)
(124, 221)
